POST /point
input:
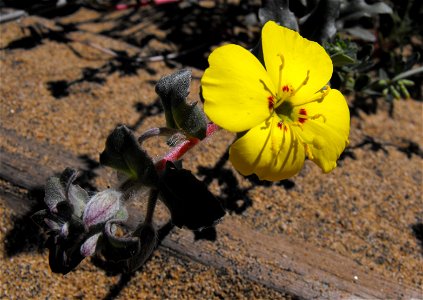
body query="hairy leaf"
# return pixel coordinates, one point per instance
(190, 202)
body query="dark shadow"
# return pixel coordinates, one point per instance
(116, 289)
(164, 231)
(418, 234)
(208, 234)
(115, 268)
(123, 64)
(195, 29)
(411, 149)
(145, 111)
(26, 236)
(348, 153)
(233, 198)
(368, 105)
(46, 8)
(374, 145)
(37, 34)
(286, 183)
(59, 88)
(87, 174)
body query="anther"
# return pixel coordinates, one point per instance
(318, 116)
(282, 60)
(308, 151)
(280, 71)
(318, 97)
(303, 83)
(297, 124)
(267, 88)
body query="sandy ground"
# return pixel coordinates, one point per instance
(369, 209)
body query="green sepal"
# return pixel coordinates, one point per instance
(190, 119)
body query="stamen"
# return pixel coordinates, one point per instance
(318, 116)
(267, 88)
(308, 151)
(302, 116)
(318, 97)
(303, 83)
(297, 124)
(316, 142)
(280, 70)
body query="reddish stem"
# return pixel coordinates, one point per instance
(178, 151)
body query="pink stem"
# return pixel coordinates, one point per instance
(178, 151)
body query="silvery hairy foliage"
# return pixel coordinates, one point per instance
(322, 18)
(80, 224)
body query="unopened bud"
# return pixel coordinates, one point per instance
(102, 207)
(395, 92)
(64, 231)
(403, 90)
(89, 246)
(188, 117)
(407, 82)
(54, 193)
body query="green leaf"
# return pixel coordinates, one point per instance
(123, 153)
(116, 247)
(189, 201)
(341, 59)
(188, 117)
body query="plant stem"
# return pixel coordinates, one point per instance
(152, 201)
(178, 151)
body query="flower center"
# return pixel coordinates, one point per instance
(294, 114)
(290, 116)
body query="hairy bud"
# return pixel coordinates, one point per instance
(102, 207)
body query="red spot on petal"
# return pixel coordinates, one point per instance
(271, 102)
(285, 88)
(304, 113)
(280, 124)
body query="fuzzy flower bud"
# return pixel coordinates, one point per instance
(89, 246)
(102, 207)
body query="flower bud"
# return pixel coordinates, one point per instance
(89, 246)
(102, 207)
(188, 117)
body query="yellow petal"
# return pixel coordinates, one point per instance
(300, 56)
(328, 133)
(268, 150)
(233, 88)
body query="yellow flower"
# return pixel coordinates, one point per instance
(286, 108)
